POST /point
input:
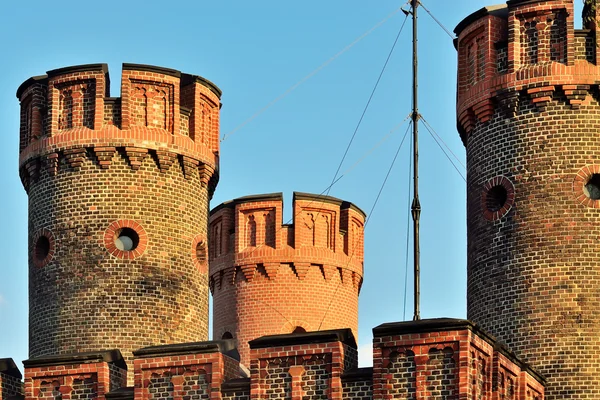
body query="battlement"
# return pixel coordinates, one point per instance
(162, 111)
(245, 231)
(524, 48)
(256, 263)
(426, 359)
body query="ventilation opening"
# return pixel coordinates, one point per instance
(496, 198)
(227, 335)
(592, 187)
(126, 239)
(299, 329)
(42, 248)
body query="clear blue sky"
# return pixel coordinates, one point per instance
(255, 51)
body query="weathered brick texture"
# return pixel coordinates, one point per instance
(96, 167)
(306, 366)
(189, 371)
(358, 384)
(447, 359)
(82, 376)
(11, 385)
(533, 278)
(267, 278)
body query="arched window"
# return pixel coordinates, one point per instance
(227, 335)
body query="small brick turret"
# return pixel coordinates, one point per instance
(118, 207)
(529, 115)
(268, 278)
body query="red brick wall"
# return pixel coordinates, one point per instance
(447, 359)
(83, 377)
(269, 279)
(531, 131)
(181, 375)
(307, 371)
(11, 383)
(96, 166)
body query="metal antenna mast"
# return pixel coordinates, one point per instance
(416, 205)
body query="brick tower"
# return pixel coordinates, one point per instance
(267, 278)
(529, 116)
(119, 193)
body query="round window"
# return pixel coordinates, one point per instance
(126, 239)
(497, 198)
(41, 249)
(592, 187)
(586, 186)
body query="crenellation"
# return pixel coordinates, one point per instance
(531, 157)
(76, 100)
(252, 253)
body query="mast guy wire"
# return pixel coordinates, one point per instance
(370, 98)
(437, 21)
(307, 77)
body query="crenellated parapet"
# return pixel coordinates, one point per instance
(528, 110)
(268, 278)
(168, 116)
(425, 359)
(524, 51)
(119, 192)
(326, 233)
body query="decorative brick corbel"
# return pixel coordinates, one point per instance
(540, 96)
(271, 269)
(136, 156)
(75, 157)
(165, 159)
(206, 172)
(508, 102)
(33, 168)
(104, 156)
(576, 94)
(249, 271)
(467, 120)
(52, 164)
(189, 166)
(484, 110)
(301, 269)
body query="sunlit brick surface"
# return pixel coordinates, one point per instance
(533, 119)
(94, 166)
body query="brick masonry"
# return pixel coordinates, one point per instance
(428, 359)
(97, 167)
(530, 122)
(267, 278)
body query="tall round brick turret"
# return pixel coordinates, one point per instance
(529, 116)
(119, 193)
(267, 278)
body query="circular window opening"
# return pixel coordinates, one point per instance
(201, 251)
(299, 329)
(42, 248)
(592, 187)
(227, 335)
(496, 198)
(126, 239)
